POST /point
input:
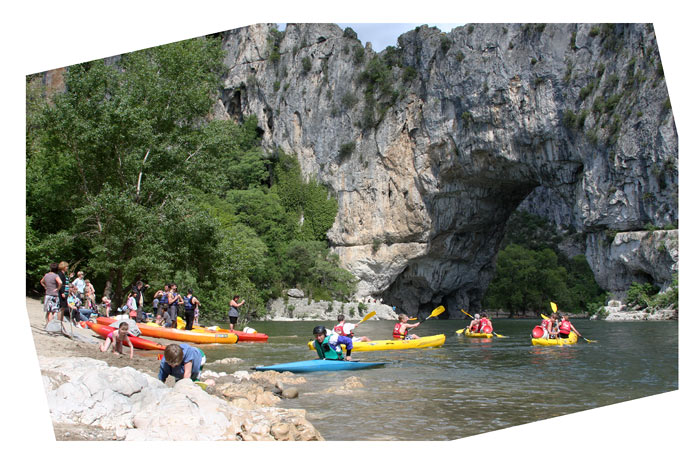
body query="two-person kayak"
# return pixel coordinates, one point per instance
(395, 344)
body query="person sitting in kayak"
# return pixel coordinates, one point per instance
(554, 332)
(117, 337)
(546, 326)
(328, 347)
(475, 323)
(566, 327)
(401, 328)
(348, 330)
(180, 361)
(485, 325)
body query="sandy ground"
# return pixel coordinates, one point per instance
(85, 345)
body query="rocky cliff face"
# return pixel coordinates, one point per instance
(430, 146)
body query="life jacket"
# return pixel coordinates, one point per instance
(188, 303)
(327, 351)
(483, 322)
(565, 327)
(397, 332)
(164, 298)
(174, 304)
(338, 329)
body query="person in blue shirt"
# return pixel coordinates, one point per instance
(181, 361)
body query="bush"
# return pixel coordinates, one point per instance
(306, 64)
(350, 33)
(640, 294)
(346, 149)
(358, 54)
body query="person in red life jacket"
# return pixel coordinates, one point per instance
(546, 326)
(485, 325)
(474, 325)
(566, 327)
(348, 330)
(401, 328)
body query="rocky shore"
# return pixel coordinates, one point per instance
(617, 311)
(101, 396)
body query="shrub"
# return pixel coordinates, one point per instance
(569, 120)
(346, 149)
(445, 43)
(306, 64)
(409, 74)
(459, 56)
(358, 54)
(376, 243)
(350, 33)
(348, 100)
(640, 294)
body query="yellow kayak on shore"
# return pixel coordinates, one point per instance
(395, 344)
(572, 339)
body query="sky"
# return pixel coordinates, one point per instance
(382, 35)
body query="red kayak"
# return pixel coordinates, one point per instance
(137, 342)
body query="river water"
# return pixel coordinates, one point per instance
(468, 386)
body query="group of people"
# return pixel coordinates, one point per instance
(166, 303)
(74, 300)
(557, 326)
(480, 324)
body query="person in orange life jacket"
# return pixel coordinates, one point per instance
(566, 327)
(347, 330)
(474, 325)
(328, 347)
(401, 328)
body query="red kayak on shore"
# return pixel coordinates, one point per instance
(137, 342)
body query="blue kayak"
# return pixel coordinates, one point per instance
(306, 366)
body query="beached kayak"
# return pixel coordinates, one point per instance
(306, 366)
(243, 336)
(483, 335)
(572, 339)
(395, 344)
(152, 330)
(138, 342)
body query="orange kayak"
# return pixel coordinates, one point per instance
(138, 342)
(180, 334)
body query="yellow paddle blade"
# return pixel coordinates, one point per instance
(437, 311)
(369, 315)
(543, 316)
(554, 306)
(412, 319)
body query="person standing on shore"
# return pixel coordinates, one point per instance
(89, 295)
(52, 284)
(63, 290)
(233, 311)
(191, 303)
(79, 284)
(174, 300)
(140, 314)
(162, 297)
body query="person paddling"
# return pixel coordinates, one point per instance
(348, 330)
(475, 323)
(401, 328)
(329, 347)
(566, 327)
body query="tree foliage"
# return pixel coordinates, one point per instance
(128, 178)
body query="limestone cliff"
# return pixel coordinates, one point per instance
(431, 145)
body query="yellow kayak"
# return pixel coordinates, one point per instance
(572, 339)
(483, 335)
(395, 344)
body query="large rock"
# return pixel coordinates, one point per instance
(461, 130)
(138, 407)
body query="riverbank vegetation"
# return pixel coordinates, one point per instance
(129, 178)
(531, 272)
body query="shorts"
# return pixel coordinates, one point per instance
(233, 319)
(51, 304)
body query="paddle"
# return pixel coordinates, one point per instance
(435, 312)
(495, 334)
(369, 315)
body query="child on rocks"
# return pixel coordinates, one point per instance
(181, 361)
(118, 337)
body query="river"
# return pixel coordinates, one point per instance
(469, 386)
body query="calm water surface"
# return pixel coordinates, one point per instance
(468, 386)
